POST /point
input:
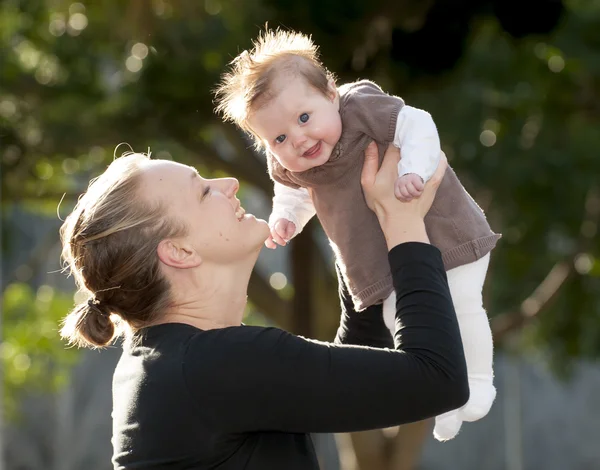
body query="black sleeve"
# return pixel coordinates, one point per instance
(257, 379)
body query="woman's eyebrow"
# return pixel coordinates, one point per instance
(195, 178)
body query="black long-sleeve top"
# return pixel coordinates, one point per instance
(247, 397)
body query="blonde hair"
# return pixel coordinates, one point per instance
(109, 246)
(249, 82)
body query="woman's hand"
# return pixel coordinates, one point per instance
(400, 221)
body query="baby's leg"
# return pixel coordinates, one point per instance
(364, 328)
(466, 285)
(446, 425)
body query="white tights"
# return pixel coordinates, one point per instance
(466, 285)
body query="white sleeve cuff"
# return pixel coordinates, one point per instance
(292, 204)
(417, 137)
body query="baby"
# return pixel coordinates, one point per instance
(314, 134)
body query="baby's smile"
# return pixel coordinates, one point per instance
(314, 151)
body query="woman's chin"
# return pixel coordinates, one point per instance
(266, 233)
(262, 230)
(264, 225)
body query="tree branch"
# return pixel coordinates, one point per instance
(245, 165)
(550, 287)
(540, 298)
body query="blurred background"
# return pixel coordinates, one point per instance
(514, 87)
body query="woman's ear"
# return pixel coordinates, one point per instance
(176, 254)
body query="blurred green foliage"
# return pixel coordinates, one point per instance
(34, 357)
(518, 114)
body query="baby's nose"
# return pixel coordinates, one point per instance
(299, 140)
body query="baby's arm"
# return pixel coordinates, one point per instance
(417, 137)
(292, 205)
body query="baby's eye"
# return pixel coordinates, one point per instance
(303, 118)
(280, 139)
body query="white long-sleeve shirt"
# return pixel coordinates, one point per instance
(417, 137)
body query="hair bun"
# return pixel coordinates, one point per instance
(95, 305)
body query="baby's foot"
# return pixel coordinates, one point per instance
(481, 398)
(447, 425)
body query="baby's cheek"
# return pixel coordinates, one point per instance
(284, 161)
(337, 129)
(293, 164)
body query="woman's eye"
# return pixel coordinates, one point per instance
(206, 192)
(303, 118)
(280, 139)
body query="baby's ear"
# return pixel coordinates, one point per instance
(332, 89)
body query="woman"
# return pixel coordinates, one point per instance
(166, 255)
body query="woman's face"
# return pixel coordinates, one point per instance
(218, 228)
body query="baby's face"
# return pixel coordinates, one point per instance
(300, 126)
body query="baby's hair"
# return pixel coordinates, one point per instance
(249, 82)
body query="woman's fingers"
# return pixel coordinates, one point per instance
(370, 166)
(437, 177)
(390, 159)
(434, 182)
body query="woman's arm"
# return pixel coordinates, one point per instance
(252, 379)
(264, 379)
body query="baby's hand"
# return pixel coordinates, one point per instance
(408, 187)
(281, 233)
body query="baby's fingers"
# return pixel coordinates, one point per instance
(413, 190)
(289, 231)
(402, 192)
(269, 243)
(418, 184)
(277, 238)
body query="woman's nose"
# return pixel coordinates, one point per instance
(231, 186)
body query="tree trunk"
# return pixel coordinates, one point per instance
(390, 449)
(407, 445)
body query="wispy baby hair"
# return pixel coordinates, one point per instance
(249, 83)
